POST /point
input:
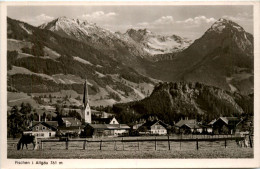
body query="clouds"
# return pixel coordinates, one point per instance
(38, 20)
(242, 17)
(98, 16)
(169, 21)
(164, 20)
(198, 20)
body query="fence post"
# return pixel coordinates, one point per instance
(169, 144)
(115, 145)
(250, 141)
(155, 143)
(67, 144)
(100, 145)
(123, 143)
(138, 145)
(84, 145)
(197, 143)
(41, 145)
(225, 143)
(180, 141)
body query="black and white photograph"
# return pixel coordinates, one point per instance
(128, 81)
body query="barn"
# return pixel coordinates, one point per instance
(225, 125)
(105, 130)
(191, 128)
(188, 126)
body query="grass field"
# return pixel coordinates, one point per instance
(130, 150)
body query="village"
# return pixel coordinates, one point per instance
(98, 124)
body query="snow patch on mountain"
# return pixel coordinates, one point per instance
(100, 74)
(82, 60)
(222, 24)
(24, 28)
(158, 44)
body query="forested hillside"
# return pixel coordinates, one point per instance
(172, 101)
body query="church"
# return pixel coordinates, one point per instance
(103, 128)
(86, 110)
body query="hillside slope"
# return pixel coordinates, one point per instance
(172, 101)
(40, 61)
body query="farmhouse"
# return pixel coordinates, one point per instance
(72, 126)
(102, 130)
(189, 126)
(71, 121)
(225, 125)
(43, 129)
(156, 127)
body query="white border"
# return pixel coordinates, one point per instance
(131, 163)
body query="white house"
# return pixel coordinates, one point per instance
(43, 129)
(156, 127)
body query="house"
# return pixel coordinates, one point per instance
(191, 128)
(136, 126)
(101, 114)
(246, 125)
(188, 126)
(71, 121)
(43, 129)
(72, 126)
(103, 130)
(208, 128)
(108, 120)
(155, 127)
(225, 125)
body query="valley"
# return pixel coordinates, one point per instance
(47, 66)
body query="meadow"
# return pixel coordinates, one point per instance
(142, 150)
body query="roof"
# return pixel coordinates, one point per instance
(64, 128)
(182, 122)
(74, 121)
(102, 120)
(230, 120)
(50, 124)
(109, 126)
(192, 126)
(212, 122)
(148, 124)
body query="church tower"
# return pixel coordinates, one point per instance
(87, 111)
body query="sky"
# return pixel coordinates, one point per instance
(186, 21)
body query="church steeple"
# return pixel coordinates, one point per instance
(87, 110)
(85, 96)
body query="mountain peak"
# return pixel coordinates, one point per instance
(62, 18)
(225, 24)
(138, 31)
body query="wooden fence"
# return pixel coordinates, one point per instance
(155, 140)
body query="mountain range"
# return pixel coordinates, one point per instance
(122, 67)
(222, 57)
